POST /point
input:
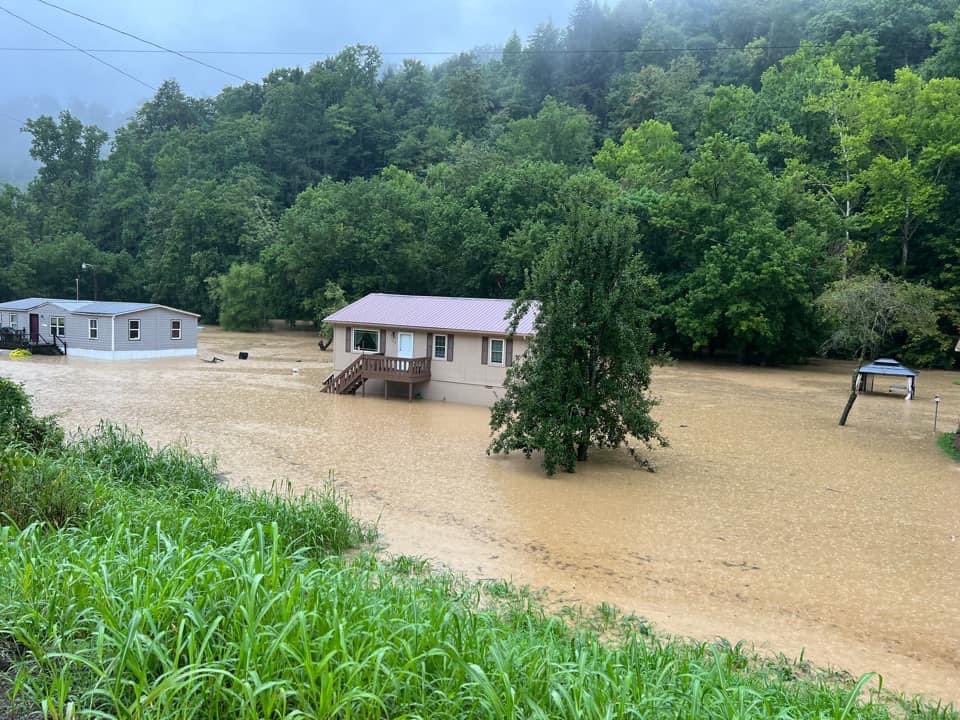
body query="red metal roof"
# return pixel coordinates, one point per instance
(472, 315)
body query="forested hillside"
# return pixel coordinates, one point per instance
(765, 149)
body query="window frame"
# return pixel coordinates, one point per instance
(58, 325)
(93, 328)
(503, 352)
(353, 340)
(433, 350)
(176, 329)
(14, 321)
(130, 322)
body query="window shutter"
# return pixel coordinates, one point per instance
(508, 353)
(349, 343)
(449, 348)
(429, 345)
(483, 350)
(383, 342)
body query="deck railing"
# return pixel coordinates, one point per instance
(396, 368)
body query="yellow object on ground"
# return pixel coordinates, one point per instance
(20, 354)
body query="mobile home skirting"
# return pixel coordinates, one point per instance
(131, 354)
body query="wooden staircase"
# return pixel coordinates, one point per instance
(378, 367)
(348, 381)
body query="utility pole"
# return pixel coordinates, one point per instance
(78, 288)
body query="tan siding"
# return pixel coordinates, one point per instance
(462, 379)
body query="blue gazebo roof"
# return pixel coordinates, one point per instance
(887, 366)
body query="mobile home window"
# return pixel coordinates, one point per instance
(174, 329)
(56, 325)
(13, 320)
(133, 329)
(92, 329)
(496, 352)
(439, 347)
(365, 340)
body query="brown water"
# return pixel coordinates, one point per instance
(764, 521)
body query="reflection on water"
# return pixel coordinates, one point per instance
(764, 520)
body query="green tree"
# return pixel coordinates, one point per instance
(241, 293)
(863, 313)
(584, 380)
(69, 155)
(649, 155)
(559, 133)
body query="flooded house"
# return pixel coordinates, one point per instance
(438, 348)
(98, 329)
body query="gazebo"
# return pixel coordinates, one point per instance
(889, 368)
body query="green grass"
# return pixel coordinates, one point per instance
(945, 441)
(163, 595)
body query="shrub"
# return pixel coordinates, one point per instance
(42, 488)
(950, 443)
(18, 423)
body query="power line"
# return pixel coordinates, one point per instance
(77, 48)
(409, 53)
(144, 40)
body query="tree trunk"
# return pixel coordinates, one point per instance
(582, 449)
(848, 408)
(905, 241)
(850, 400)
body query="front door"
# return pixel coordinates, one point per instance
(405, 345)
(34, 328)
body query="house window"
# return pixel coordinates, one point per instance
(56, 325)
(92, 329)
(133, 329)
(439, 347)
(496, 352)
(174, 329)
(13, 320)
(365, 340)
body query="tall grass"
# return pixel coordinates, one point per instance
(170, 596)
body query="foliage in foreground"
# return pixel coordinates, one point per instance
(18, 422)
(172, 597)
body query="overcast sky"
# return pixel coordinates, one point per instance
(395, 26)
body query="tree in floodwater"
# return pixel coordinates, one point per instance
(866, 310)
(584, 379)
(242, 296)
(326, 302)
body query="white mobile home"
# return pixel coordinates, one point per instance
(106, 330)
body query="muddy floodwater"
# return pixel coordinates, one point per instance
(764, 521)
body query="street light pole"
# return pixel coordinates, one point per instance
(936, 412)
(88, 266)
(78, 288)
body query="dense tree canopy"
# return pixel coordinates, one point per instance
(763, 150)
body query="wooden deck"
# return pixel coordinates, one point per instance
(378, 367)
(38, 344)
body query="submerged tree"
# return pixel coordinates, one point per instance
(865, 311)
(584, 379)
(242, 295)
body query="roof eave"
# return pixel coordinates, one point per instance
(518, 333)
